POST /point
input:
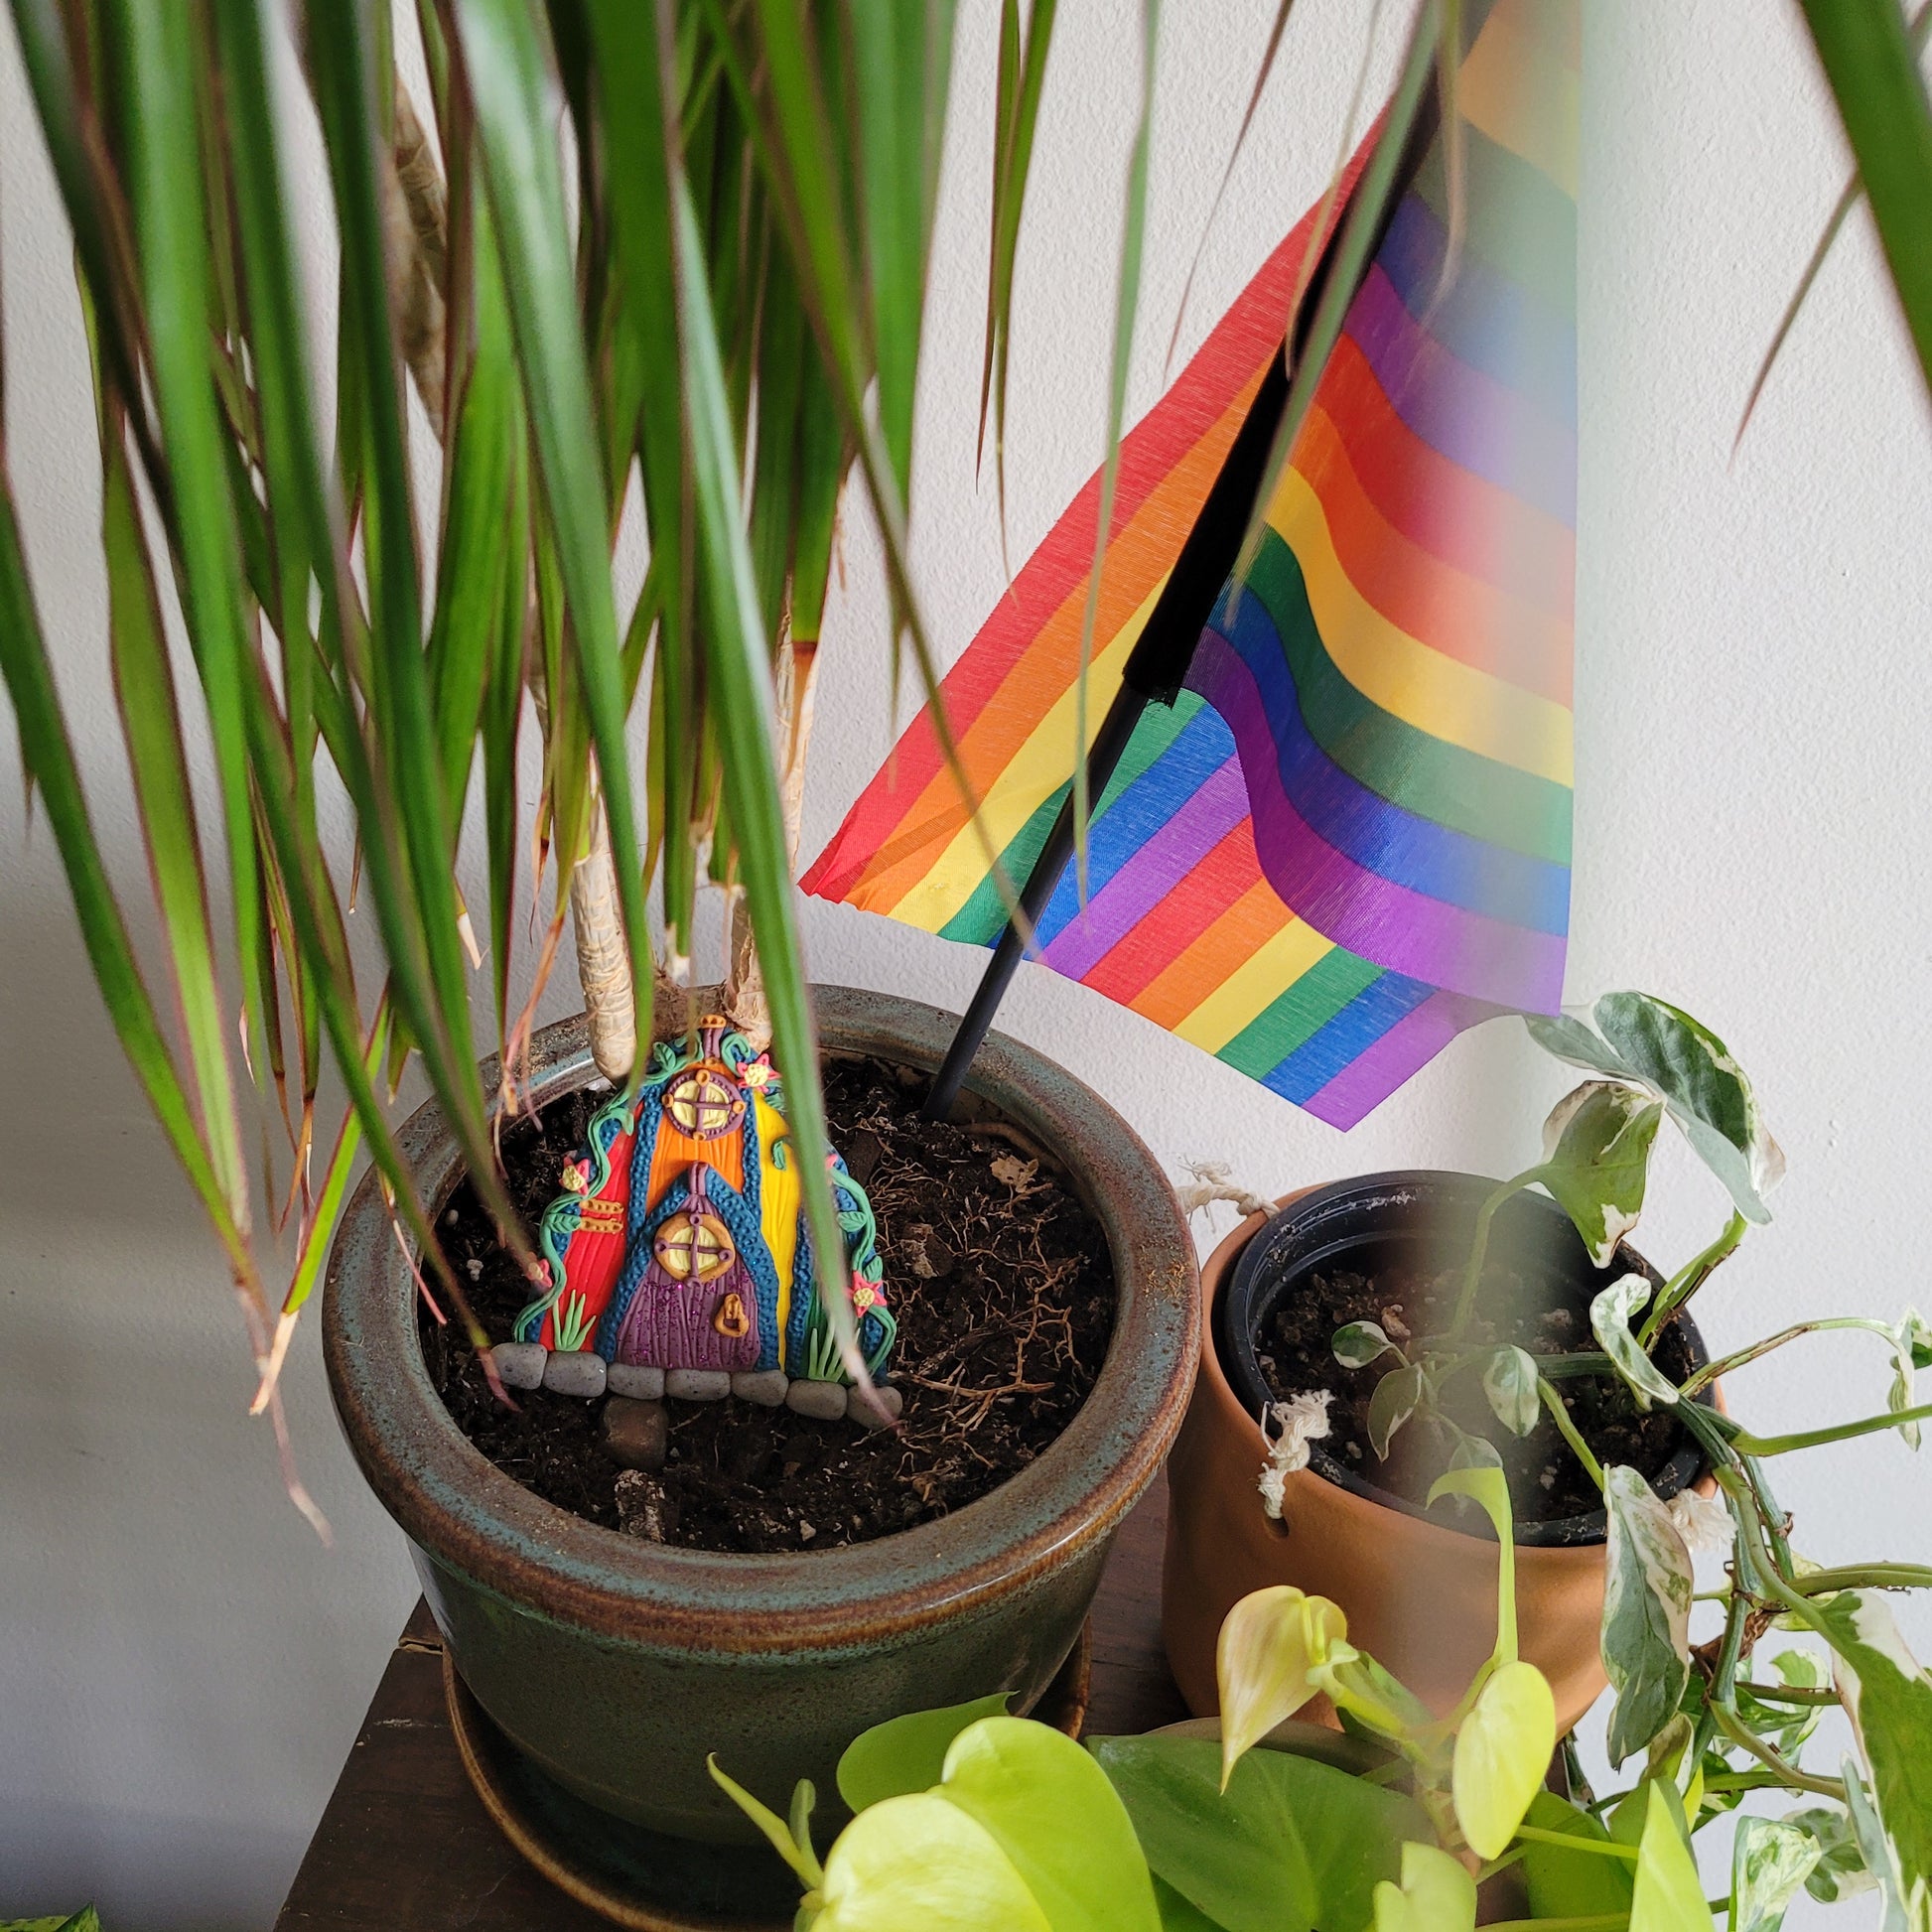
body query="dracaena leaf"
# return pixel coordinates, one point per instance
(1645, 1638)
(1268, 1643)
(1610, 1315)
(1597, 1147)
(1502, 1755)
(1509, 1382)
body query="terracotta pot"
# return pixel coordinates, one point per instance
(614, 1664)
(1419, 1594)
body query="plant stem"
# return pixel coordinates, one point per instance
(1573, 1842)
(1712, 1370)
(1690, 1278)
(1788, 1773)
(1749, 1445)
(1783, 1693)
(604, 954)
(1586, 1361)
(1865, 1576)
(1479, 1248)
(1568, 1430)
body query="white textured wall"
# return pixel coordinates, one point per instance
(181, 1666)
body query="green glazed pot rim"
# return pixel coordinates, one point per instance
(463, 1510)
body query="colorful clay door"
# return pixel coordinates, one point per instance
(695, 1307)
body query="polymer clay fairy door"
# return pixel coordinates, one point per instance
(679, 1241)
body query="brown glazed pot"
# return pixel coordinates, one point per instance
(1419, 1597)
(614, 1664)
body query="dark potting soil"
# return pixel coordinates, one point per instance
(1001, 1282)
(1546, 1481)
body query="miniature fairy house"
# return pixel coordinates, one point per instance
(680, 1242)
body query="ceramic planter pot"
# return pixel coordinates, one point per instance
(616, 1664)
(1419, 1594)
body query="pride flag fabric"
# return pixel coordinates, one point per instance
(1349, 838)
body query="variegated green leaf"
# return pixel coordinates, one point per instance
(1357, 1343)
(1709, 1096)
(1610, 1315)
(1597, 1147)
(1646, 1630)
(1769, 1860)
(1840, 1870)
(1509, 1381)
(1888, 1693)
(1392, 1404)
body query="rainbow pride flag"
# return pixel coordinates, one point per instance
(1349, 838)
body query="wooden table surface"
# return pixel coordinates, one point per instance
(406, 1842)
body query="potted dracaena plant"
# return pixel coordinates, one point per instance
(672, 255)
(1421, 1819)
(730, 302)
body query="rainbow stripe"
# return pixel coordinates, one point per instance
(1350, 838)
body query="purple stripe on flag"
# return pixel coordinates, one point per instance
(1406, 1048)
(1389, 925)
(1461, 412)
(1200, 824)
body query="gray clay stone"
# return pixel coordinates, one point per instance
(645, 1383)
(823, 1400)
(866, 1414)
(520, 1365)
(636, 1433)
(697, 1384)
(766, 1386)
(576, 1372)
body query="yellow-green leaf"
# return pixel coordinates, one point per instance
(1502, 1752)
(1262, 1658)
(919, 1862)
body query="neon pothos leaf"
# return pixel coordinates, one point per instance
(1053, 1813)
(1502, 1755)
(907, 1753)
(1597, 1147)
(1645, 1640)
(1269, 1640)
(919, 1861)
(1436, 1894)
(1669, 1895)
(1888, 1693)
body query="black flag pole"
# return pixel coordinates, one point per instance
(1158, 665)
(1155, 669)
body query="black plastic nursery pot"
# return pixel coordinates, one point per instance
(613, 1664)
(1419, 1591)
